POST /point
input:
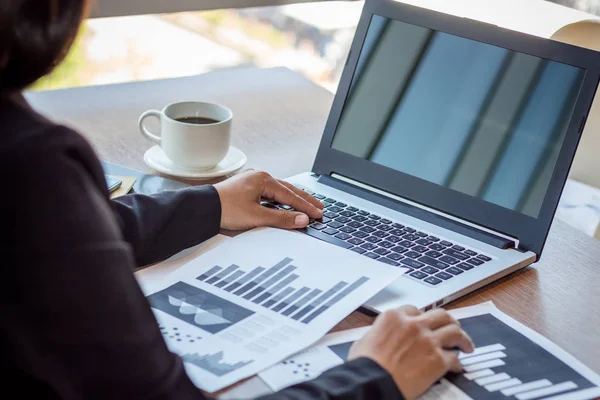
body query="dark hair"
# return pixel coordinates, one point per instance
(35, 36)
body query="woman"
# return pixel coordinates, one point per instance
(74, 322)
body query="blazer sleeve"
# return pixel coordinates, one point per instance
(163, 224)
(360, 379)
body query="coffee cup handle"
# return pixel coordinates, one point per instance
(145, 132)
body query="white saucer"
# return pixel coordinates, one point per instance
(156, 158)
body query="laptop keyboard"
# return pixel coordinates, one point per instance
(429, 259)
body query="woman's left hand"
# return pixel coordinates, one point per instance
(242, 194)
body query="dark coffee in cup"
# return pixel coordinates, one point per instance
(197, 120)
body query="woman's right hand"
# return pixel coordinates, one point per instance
(415, 348)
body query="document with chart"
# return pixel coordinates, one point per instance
(511, 362)
(257, 299)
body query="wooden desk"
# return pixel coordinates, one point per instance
(278, 120)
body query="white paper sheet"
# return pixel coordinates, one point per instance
(258, 298)
(526, 366)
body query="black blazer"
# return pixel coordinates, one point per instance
(74, 323)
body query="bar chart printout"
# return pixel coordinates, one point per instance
(272, 288)
(256, 299)
(506, 364)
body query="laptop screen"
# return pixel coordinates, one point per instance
(479, 119)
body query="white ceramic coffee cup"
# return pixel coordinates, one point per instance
(192, 146)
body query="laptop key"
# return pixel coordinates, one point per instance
(368, 246)
(446, 243)
(413, 254)
(335, 224)
(368, 229)
(432, 280)
(331, 231)
(410, 237)
(406, 243)
(359, 218)
(318, 226)
(318, 196)
(456, 254)
(393, 239)
(324, 237)
(475, 261)
(419, 249)
(385, 244)
(375, 217)
(424, 242)
(343, 236)
(380, 234)
(430, 270)
(397, 232)
(386, 221)
(470, 253)
(329, 200)
(433, 238)
(412, 263)
(434, 254)
(421, 234)
(381, 251)
(388, 261)
(458, 248)
(437, 247)
(409, 230)
(340, 204)
(372, 255)
(373, 239)
(454, 271)
(355, 224)
(449, 260)
(484, 258)
(362, 212)
(360, 234)
(358, 250)
(444, 275)
(400, 249)
(384, 227)
(325, 220)
(418, 275)
(353, 209)
(347, 229)
(372, 222)
(465, 266)
(356, 241)
(343, 220)
(347, 213)
(433, 262)
(395, 256)
(330, 214)
(398, 226)
(335, 209)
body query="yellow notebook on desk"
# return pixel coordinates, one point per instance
(125, 187)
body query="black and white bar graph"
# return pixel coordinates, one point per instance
(270, 287)
(507, 364)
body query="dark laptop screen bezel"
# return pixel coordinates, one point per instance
(531, 232)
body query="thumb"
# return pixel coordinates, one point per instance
(283, 219)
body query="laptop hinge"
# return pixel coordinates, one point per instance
(396, 203)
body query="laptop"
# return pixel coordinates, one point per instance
(447, 148)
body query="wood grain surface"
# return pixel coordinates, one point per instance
(278, 120)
